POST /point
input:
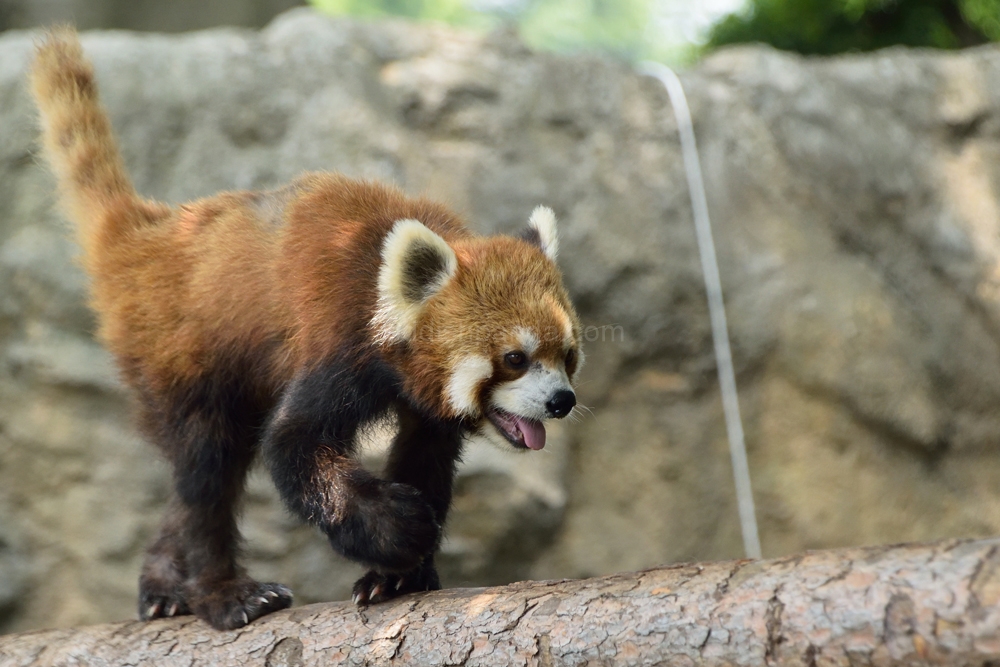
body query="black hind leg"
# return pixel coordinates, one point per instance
(211, 449)
(217, 589)
(164, 571)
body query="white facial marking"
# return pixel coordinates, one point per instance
(580, 358)
(565, 322)
(568, 339)
(463, 385)
(398, 308)
(527, 395)
(491, 435)
(543, 220)
(527, 339)
(567, 331)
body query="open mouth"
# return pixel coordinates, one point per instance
(519, 431)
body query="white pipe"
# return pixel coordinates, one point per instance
(716, 306)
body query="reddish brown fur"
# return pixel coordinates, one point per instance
(175, 286)
(482, 300)
(282, 281)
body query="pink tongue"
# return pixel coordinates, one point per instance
(533, 432)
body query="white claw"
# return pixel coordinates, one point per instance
(263, 599)
(173, 609)
(355, 598)
(153, 610)
(271, 594)
(246, 619)
(399, 584)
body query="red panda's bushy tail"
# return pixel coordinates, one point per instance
(79, 144)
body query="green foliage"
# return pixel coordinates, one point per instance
(616, 26)
(449, 11)
(835, 26)
(984, 15)
(620, 27)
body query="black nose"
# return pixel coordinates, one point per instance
(561, 403)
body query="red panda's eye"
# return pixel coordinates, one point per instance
(516, 360)
(570, 358)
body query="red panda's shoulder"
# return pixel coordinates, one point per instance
(334, 233)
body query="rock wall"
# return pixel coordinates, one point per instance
(858, 229)
(172, 16)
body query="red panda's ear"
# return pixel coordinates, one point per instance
(542, 231)
(416, 265)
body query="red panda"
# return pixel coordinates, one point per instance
(277, 324)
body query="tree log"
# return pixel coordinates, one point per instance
(909, 604)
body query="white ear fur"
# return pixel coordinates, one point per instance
(543, 221)
(416, 265)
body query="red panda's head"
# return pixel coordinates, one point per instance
(488, 332)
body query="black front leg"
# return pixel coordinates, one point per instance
(308, 448)
(423, 455)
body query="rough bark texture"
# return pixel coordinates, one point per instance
(910, 604)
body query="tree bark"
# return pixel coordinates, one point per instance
(909, 604)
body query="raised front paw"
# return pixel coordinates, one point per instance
(379, 587)
(393, 529)
(233, 604)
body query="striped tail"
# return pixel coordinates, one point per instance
(79, 144)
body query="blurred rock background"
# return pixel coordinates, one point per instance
(858, 228)
(170, 16)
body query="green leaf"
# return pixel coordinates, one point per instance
(835, 26)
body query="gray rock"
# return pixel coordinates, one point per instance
(858, 229)
(173, 16)
(13, 573)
